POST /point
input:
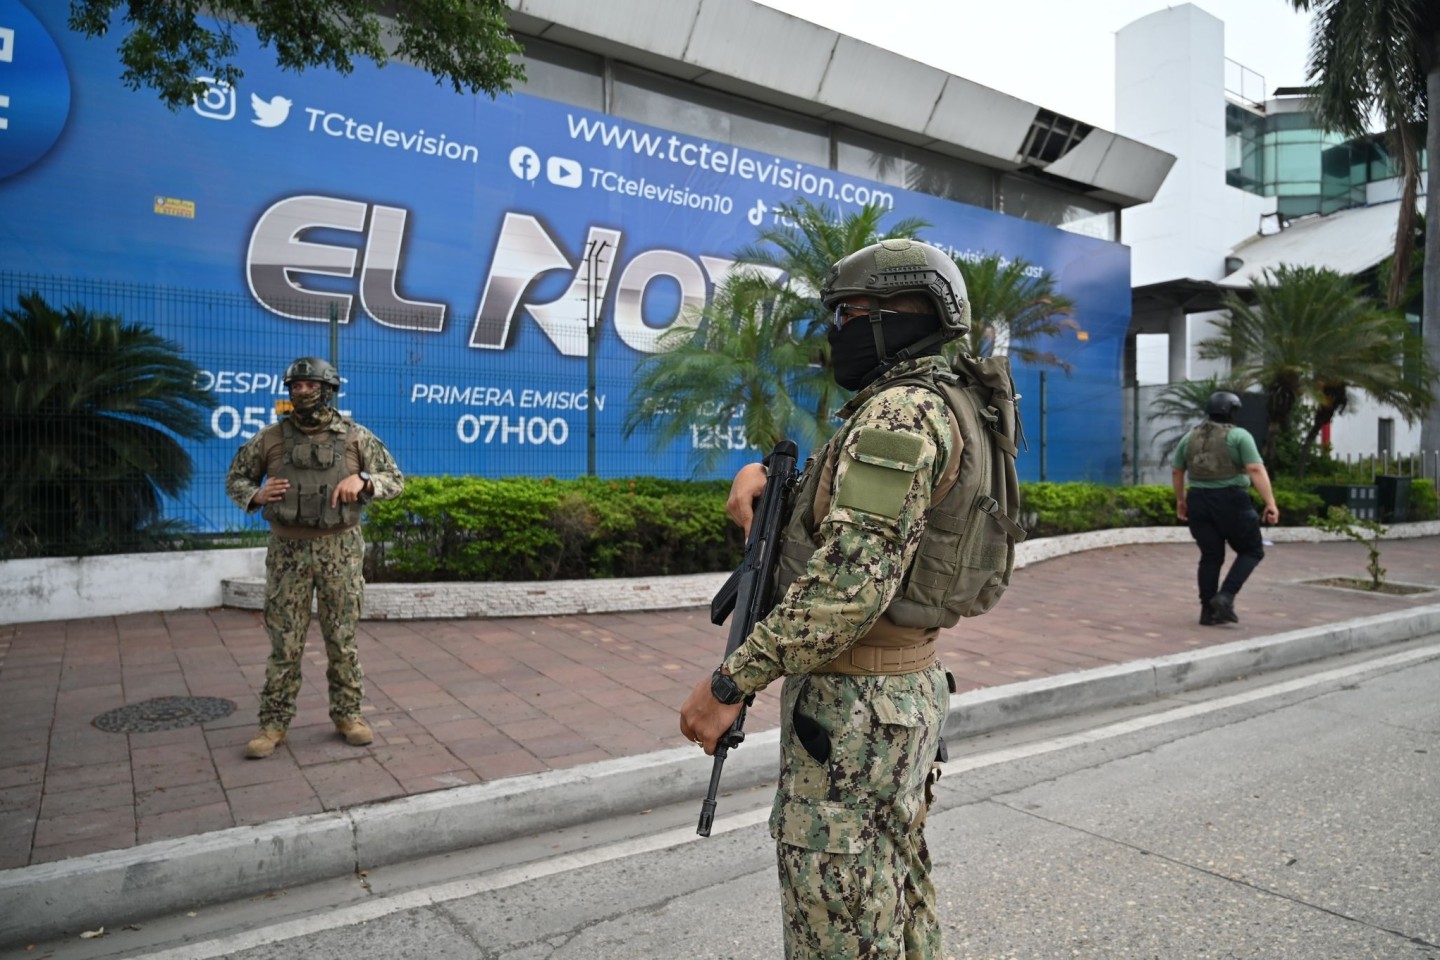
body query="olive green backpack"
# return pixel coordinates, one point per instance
(967, 552)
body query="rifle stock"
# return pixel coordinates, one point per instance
(749, 593)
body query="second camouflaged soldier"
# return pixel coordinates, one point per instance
(311, 473)
(864, 696)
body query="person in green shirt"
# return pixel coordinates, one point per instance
(1222, 462)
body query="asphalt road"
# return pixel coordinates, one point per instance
(1290, 816)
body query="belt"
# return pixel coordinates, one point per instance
(867, 660)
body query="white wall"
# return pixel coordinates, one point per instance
(68, 588)
(1170, 93)
(1356, 432)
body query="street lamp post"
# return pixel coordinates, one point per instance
(594, 300)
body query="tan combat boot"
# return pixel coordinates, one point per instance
(356, 732)
(264, 743)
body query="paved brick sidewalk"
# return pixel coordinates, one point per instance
(460, 701)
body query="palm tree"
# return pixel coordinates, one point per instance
(1381, 58)
(793, 259)
(1308, 338)
(759, 352)
(737, 359)
(1010, 303)
(1182, 404)
(90, 409)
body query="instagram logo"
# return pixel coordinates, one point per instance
(218, 100)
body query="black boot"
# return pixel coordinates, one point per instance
(1222, 606)
(1207, 619)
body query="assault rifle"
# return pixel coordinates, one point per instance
(750, 593)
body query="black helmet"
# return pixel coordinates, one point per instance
(1222, 405)
(903, 266)
(313, 368)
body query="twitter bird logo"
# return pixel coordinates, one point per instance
(270, 113)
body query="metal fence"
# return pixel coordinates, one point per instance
(443, 411)
(435, 412)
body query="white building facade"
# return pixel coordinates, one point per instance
(1253, 187)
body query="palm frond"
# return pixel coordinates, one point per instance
(92, 410)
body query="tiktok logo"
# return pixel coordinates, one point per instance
(756, 216)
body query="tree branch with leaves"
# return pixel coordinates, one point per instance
(169, 43)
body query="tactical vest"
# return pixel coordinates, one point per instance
(1207, 457)
(966, 553)
(314, 464)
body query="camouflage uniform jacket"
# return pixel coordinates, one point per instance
(263, 455)
(862, 557)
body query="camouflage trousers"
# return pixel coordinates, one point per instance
(854, 868)
(329, 570)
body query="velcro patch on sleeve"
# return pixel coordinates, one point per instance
(878, 469)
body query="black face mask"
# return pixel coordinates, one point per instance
(856, 362)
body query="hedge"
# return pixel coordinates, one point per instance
(472, 528)
(476, 529)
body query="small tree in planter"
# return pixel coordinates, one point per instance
(1340, 520)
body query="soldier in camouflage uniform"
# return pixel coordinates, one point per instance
(311, 473)
(864, 697)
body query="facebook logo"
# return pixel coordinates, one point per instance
(525, 163)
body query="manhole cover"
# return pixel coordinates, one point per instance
(163, 713)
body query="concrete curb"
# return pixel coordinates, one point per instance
(51, 900)
(429, 601)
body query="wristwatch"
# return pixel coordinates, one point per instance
(723, 688)
(364, 477)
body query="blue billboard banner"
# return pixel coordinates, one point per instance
(461, 246)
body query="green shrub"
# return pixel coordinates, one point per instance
(1151, 505)
(472, 528)
(1297, 502)
(476, 529)
(1424, 504)
(1051, 509)
(465, 528)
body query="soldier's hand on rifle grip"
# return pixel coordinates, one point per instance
(745, 489)
(706, 719)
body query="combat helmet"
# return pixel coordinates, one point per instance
(903, 266)
(1222, 406)
(313, 368)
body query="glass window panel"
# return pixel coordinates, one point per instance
(1286, 137)
(662, 102)
(862, 155)
(1045, 204)
(1291, 121)
(870, 157)
(560, 73)
(1296, 163)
